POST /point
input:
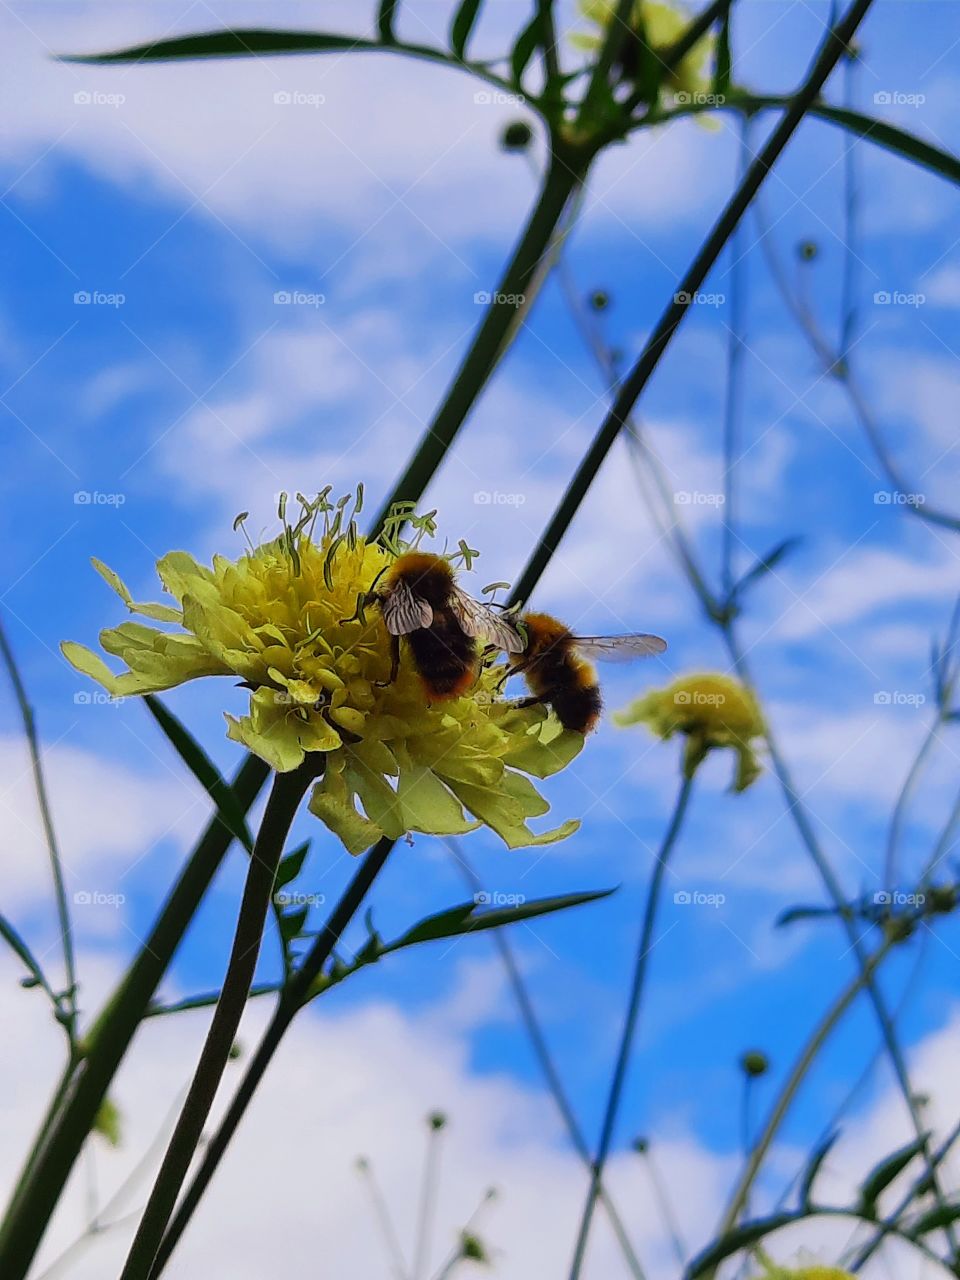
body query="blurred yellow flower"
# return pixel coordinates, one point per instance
(712, 711)
(664, 24)
(806, 1273)
(283, 618)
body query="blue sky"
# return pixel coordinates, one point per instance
(197, 198)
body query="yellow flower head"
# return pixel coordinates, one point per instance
(663, 24)
(711, 710)
(287, 619)
(806, 1273)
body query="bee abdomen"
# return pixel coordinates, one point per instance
(444, 656)
(576, 706)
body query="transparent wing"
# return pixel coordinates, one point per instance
(619, 648)
(482, 623)
(403, 611)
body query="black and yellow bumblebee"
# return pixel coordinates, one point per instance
(555, 665)
(421, 601)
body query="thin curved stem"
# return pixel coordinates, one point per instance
(65, 1004)
(548, 1067)
(628, 1033)
(904, 797)
(286, 794)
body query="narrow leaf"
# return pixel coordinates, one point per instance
(16, 942)
(466, 918)
(243, 43)
(814, 1165)
(886, 1171)
(462, 25)
(766, 563)
(527, 41)
(291, 866)
(942, 1215)
(291, 923)
(229, 809)
(741, 1237)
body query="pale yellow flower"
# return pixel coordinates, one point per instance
(712, 711)
(283, 619)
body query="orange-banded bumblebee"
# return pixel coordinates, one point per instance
(554, 666)
(421, 600)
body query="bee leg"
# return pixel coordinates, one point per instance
(369, 597)
(511, 669)
(532, 701)
(394, 663)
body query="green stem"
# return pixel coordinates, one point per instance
(548, 1067)
(804, 1062)
(296, 994)
(285, 796)
(903, 801)
(42, 1183)
(829, 54)
(630, 1021)
(565, 171)
(68, 1014)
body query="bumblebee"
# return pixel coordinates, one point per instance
(555, 667)
(421, 600)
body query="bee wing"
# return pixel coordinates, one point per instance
(481, 623)
(403, 611)
(618, 648)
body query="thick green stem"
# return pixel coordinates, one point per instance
(292, 1000)
(286, 794)
(830, 52)
(566, 170)
(40, 1187)
(644, 948)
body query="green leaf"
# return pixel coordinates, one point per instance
(942, 1215)
(291, 923)
(462, 25)
(466, 918)
(814, 1165)
(741, 1237)
(766, 563)
(291, 866)
(16, 942)
(229, 808)
(524, 49)
(242, 43)
(107, 1122)
(886, 1171)
(721, 75)
(888, 136)
(385, 19)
